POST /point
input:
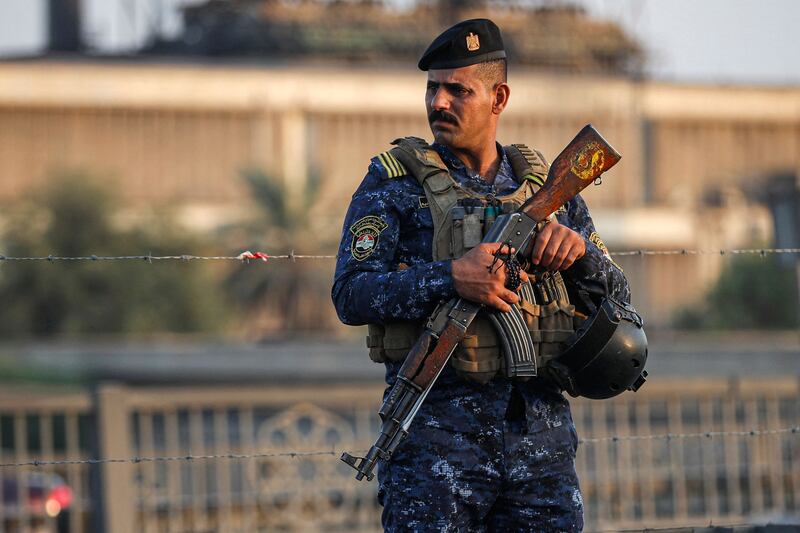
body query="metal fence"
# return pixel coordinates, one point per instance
(709, 462)
(49, 426)
(677, 453)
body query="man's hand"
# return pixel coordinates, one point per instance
(557, 247)
(473, 281)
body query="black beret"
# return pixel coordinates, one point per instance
(467, 43)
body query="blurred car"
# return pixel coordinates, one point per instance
(48, 495)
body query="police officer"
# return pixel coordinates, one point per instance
(496, 454)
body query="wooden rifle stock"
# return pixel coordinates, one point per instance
(584, 159)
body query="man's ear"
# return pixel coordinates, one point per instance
(501, 94)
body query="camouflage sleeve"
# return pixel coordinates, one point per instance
(594, 274)
(368, 287)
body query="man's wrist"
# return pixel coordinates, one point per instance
(439, 279)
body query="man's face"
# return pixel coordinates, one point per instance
(459, 107)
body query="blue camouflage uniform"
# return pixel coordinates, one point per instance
(493, 457)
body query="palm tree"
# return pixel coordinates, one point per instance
(282, 297)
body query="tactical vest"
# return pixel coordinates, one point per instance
(460, 219)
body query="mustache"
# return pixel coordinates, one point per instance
(443, 116)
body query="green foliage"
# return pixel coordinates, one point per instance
(284, 221)
(751, 293)
(270, 196)
(281, 297)
(73, 216)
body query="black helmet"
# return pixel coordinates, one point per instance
(606, 356)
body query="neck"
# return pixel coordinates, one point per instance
(484, 160)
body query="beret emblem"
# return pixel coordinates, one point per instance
(473, 43)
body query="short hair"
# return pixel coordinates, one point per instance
(493, 72)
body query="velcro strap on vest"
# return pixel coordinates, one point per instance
(375, 333)
(486, 365)
(401, 341)
(487, 338)
(439, 183)
(374, 341)
(554, 307)
(530, 308)
(419, 158)
(546, 310)
(527, 163)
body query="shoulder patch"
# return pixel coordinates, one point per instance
(389, 166)
(366, 232)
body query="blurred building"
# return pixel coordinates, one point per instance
(375, 30)
(215, 434)
(307, 90)
(694, 157)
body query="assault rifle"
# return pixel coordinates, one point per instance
(584, 159)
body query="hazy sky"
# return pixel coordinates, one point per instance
(751, 41)
(714, 40)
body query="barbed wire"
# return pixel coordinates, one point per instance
(676, 528)
(735, 251)
(291, 256)
(704, 434)
(149, 258)
(298, 454)
(169, 458)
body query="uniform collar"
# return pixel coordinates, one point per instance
(453, 162)
(504, 179)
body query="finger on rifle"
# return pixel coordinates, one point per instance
(542, 238)
(561, 255)
(573, 256)
(499, 304)
(509, 296)
(549, 252)
(501, 248)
